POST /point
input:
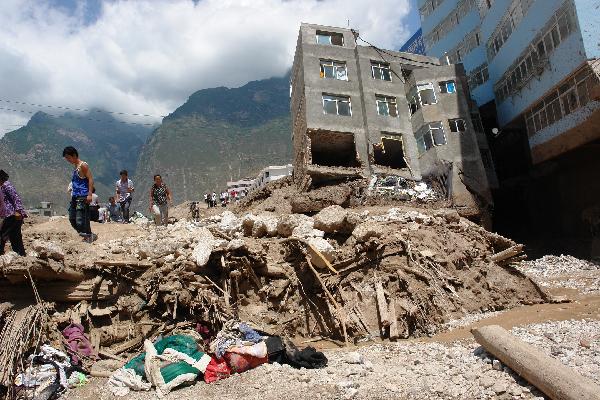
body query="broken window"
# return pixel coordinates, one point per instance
(337, 105)
(426, 94)
(334, 70)
(448, 87)
(457, 125)
(386, 105)
(390, 152)
(333, 149)
(430, 135)
(336, 39)
(381, 71)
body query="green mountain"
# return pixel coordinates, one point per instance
(32, 155)
(218, 135)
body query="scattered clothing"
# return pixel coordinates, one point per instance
(216, 370)
(78, 343)
(125, 379)
(234, 333)
(239, 363)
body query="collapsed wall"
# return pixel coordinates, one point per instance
(343, 274)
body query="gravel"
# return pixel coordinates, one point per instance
(564, 272)
(410, 370)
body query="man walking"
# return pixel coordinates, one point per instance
(124, 188)
(82, 186)
(12, 212)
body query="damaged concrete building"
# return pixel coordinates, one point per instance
(359, 111)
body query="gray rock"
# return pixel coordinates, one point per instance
(497, 365)
(331, 219)
(287, 223)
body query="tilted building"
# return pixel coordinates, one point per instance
(359, 111)
(534, 70)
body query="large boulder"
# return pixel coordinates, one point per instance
(367, 230)
(324, 247)
(248, 223)
(318, 199)
(8, 258)
(204, 247)
(229, 223)
(264, 225)
(289, 222)
(306, 231)
(331, 219)
(48, 250)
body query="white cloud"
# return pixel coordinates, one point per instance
(149, 56)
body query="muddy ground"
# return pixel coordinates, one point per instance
(448, 365)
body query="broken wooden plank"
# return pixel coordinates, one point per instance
(394, 333)
(123, 263)
(381, 304)
(508, 253)
(339, 311)
(548, 374)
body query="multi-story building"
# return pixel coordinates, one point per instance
(359, 111)
(533, 68)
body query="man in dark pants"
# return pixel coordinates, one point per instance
(124, 189)
(82, 184)
(12, 211)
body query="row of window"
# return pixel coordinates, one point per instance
(429, 7)
(471, 41)
(478, 76)
(506, 26)
(562, 101)
(337, 70)
(535, 59)
(443, 28)
(424, 95)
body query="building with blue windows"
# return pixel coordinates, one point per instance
(533, 68)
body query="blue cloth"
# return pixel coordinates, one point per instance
(81, 186)
(250, 335)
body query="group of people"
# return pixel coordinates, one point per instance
(83, 207)
(225, 198)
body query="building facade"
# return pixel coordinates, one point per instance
(536, 60)
(533, 68)
(359, 111)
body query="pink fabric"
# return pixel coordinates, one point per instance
(78, 343)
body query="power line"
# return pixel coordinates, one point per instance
(388, 53)
(114, 121)
(81, 109)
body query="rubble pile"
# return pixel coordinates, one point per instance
(341, 274)
(564, 271)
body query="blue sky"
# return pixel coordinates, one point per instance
(91, 10)
(148, 56)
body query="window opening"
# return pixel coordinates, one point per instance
(457, 125)
(389, 153)
(337, 105)
(386, 105)
(448, 87)
(333, 149)
(381, 71)
(334, 70)
(426, 94)
(332, 38)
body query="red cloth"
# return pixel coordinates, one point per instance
(216, 370)
(243, 362)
